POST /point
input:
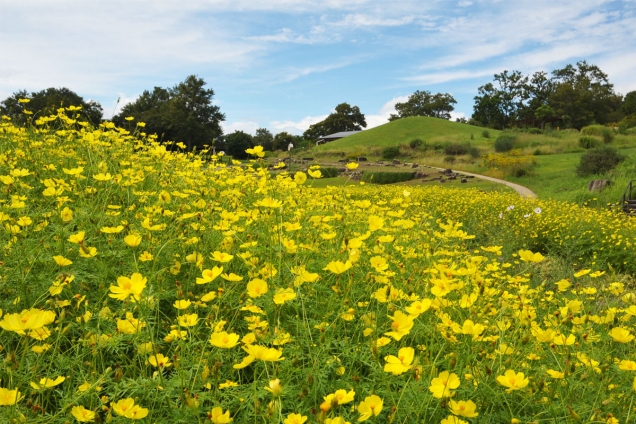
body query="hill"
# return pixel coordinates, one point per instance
(429, 130)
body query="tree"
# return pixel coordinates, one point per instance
(236, 143)
(628, 107)
(47, 102)
(264, 138)
(583, 94)
(423, 103)
(542, 113)
(498, 106)
(182, 113)
(282, 140)
(345, 118)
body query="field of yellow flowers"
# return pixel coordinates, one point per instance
(142, 284)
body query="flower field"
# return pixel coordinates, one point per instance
(140, 284)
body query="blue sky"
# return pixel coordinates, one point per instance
(283, 64)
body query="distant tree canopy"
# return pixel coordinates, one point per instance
(236, 143)
(580, 95)
(182, 113)
(47, 102)
(629, 104)
(423, 103)
(345, 118)
(264, 137)
(282, 140)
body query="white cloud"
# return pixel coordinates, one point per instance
(455, 115)
(360, 20)
(441, 77)
(382, 117)
(295, 127)
(249, 127)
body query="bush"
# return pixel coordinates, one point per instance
(599, 161)
(588, 142)
(505, 143)
(474, 152)
(535, 131)
(450, 159)
(485, 134)
(390, 152)
(456, 149)
(387, 177)
(329, 172)
(596, 130)
(415, 143)
(608, 135)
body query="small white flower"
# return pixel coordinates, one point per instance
(537, 210)
(527, 215)
(511, 207)
(501, 215)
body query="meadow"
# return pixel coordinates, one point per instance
(141, 284)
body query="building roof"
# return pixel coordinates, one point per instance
(341, 134)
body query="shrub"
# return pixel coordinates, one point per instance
(505, 143)
(596, 130)
(589, 142)
(485, 134)
(608, 135)
(415, 143)
(456, 149)
(390, 152)
(329, 172)
(450, 159)
(535, 131)
(538, 152)
(387, 177)
(599, 161)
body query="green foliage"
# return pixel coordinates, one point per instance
(183, 113)
(505, 142)
(264, 137)
(599, 161)
(47, 102)
(628, 107)
(596, 130)
(387, 177)
(415, 143)
(423, 103)
(236, 143)
(589, 142)
(390, 152)
(456, 149)
(485, 134)
(608, 135)
(329, 172)
(345, 118)
(281, 141)
(450, 159)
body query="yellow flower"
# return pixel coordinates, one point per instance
(371, 406)
(208, 275)
(401, 325)
(159, 361)
(188, 320)
(442, 385)
(218, 417)
(300, 178)
(627, 365)
(130, 325)
(513, 380)
(27, 320)
(256, 151)
(451, 419)
(82, 414)
(61, 260)
(275, 388)
(77, 238)
(102, 177)
(66, 214)
(145, 257)
(528, 256)
(582, 273)
(263, 353)
(397, 365)
(268, 202)
(231, 277)
(463, 408)
(256, 288)
(294, 418)
(132, 240)
(182, 304)
(113, 230)
(224, 340)
(127, 408)
(418, 307)
(337, 267)
(227, 384)
(555, 374)
(9, 397)
(46, 383)
(87, 252)
(24, 221)
(128, 286)
(221, 257)
(283, 295)
(621, 335)
(208, 297)
(352, 166)
(315, 174)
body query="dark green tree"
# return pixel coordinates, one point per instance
(47, 102)
(628, 107)
(236, 143)
(498, 105)
(264, 138)
(345, 118)
(183, 113)
(423, 103)
(282, 140)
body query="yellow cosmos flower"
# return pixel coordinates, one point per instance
(256, 151)
(145, 257)
(209, 275)
(221, 257)
(127, 408)
(351, 166)
(87, 252)
(418, 307)
(451, 419)
(224, 340)
(263, 353)
(463, 408)
(182, 304)
(294, 418)
(132, 240)
(315, 174)
(442, 385)
(160, 361)
(256, 288)
(125, 287)
(626, 365)
(208, 297)
(337, 267)
(113, 230)
(621, 335)
(300, 178)
(66, 214)
(47, 383)
(401, 325)
(102, 177)
(397, 365)
(284, 295)
(188, 320)
(27, 320)
(370, 407)
(582, 272)
(130, 325)
(228, 383)
(528, 256)
(217, 416)
(555, 374)
(513, 380)
(77, 238)
(9, 397)
(62, 261)
(231, 277)
(268, 202)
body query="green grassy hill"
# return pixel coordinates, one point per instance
(430, 130)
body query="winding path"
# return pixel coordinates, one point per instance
(523, 191)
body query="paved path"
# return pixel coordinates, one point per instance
(523, 191)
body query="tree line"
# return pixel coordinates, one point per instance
(574, 96)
